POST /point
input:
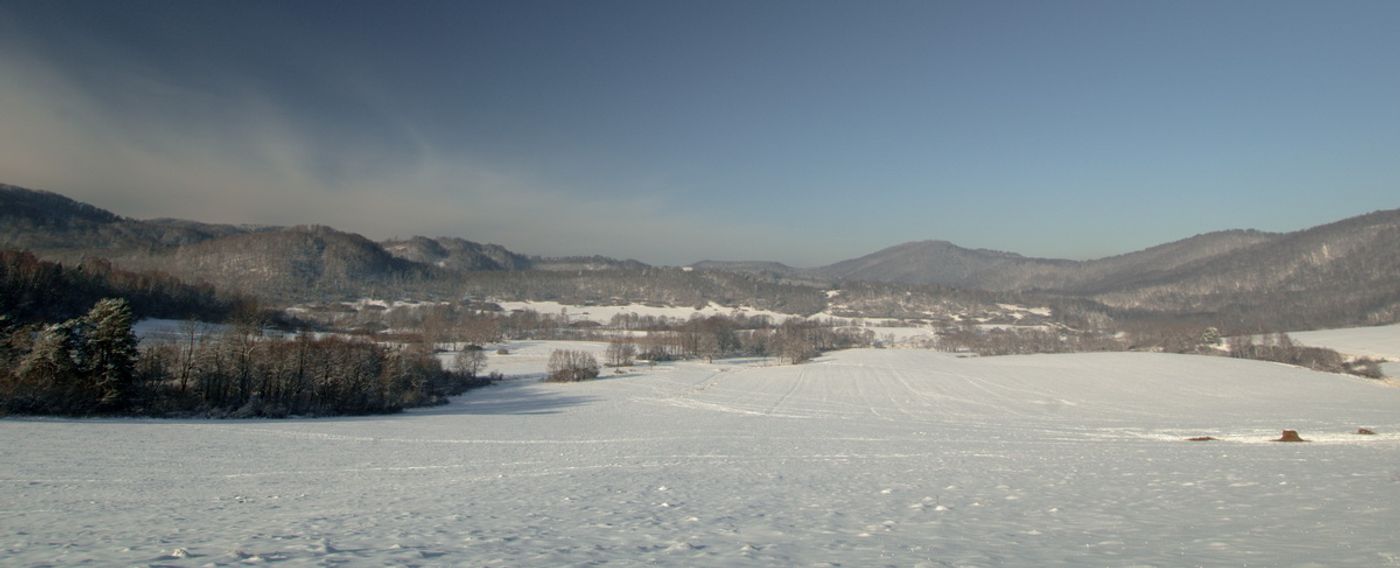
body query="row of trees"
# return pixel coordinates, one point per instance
(1002, 341)
(1281, 348)
(654, 338)
(664, 286)
(794, 341)
(92, 365)
(1277, 347)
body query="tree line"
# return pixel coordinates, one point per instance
(1181, 339)
(93, 365)
(1025, 341)
(793, 341)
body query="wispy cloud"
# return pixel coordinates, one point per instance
(127, 137)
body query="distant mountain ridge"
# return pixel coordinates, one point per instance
(1342, 272)
(269, 260)
(1348, 267)
(932, 262)
(58, 226)
(947, 264)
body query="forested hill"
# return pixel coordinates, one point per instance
(274, 263)
(55, 226)
(1341, 273)
(34, 290)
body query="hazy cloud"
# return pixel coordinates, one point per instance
(127, 138)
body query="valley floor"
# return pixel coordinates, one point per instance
(861, 458)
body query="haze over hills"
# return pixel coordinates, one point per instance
(252, 257)
(56, 226)
(934, 262)
(1343, 272)
(1347, 267)
(282, 265)
(1351, 264)
(947, 264)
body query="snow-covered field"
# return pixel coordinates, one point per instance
(1378, 341)
(861, 458)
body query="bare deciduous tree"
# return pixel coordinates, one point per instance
(621, 352)
(568, 366)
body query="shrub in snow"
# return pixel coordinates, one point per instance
(621, 353)
(568, 366)
(471, 361)
(1282, 349)
(1365, 367)
(658, 354)
(1211, 336)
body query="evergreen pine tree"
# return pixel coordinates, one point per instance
(48, 378)
(110, 353)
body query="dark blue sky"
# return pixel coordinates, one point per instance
(805, 132)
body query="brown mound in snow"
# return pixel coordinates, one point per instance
(1365, 432)
(1200, 439)
(1290, 436)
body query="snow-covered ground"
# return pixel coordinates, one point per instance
(528, 359)
(861, 458)
(1378, 341)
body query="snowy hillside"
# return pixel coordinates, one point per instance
(860, 458)
(1378, 341)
